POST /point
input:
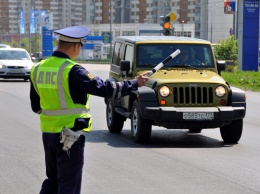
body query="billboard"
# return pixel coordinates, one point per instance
(250, 35)
(21, 22)
(47, 21)
(47, 34)
(229, 6)
(33, 21)
(36, 19)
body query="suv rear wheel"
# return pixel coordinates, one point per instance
(115, 121)
(231, 133)
(140, 128)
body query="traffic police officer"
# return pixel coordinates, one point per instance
(60, 90)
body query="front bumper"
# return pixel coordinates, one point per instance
(187, 118)
(221, 113)
(21, 73)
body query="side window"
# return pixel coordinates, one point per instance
(121, 52)
(129, 54)
(208, 60)
(205, 58)
(116, 54)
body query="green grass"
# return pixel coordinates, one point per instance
(246, 80)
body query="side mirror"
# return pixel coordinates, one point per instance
(221, 66)
(125, 66)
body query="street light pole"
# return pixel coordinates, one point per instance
(211, 27)
(35, 27)
(110, 29)
(182, 33)
(30, 27)
(235, 21)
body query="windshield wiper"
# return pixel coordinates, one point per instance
(187, 66)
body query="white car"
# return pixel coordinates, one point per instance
(15, 63)
(4, 46)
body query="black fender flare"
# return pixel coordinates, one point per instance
(146, 98)
(111, 79)
(237, 97)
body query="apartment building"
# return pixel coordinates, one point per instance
(65, 13)
(206, 16)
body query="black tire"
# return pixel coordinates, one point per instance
(140, 128)
(195, 130)
(115, 121)
(232, 133)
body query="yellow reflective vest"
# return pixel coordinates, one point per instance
(50, 79)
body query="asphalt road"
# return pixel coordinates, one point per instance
(174, 161)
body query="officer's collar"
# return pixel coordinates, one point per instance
(60, 54)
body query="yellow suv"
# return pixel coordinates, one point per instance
(188, 92)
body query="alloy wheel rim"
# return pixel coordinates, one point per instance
(109, 113)
(135, 122)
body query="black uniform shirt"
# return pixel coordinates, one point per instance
(81, 83)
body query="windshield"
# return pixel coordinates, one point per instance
(193, 55)
(14, 55)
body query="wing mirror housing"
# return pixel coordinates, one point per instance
(125, 67)
(221, 66)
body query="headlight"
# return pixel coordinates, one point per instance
(164, 91)
(2, 66)
(220, 91)
(28, 67)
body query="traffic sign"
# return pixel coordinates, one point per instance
(168, 20)
(173, 16)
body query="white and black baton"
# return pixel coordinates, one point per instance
(166, 60)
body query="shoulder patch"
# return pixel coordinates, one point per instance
(90, 76)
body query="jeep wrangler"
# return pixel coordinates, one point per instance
(183, 94)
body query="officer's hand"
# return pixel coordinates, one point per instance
(142, 79)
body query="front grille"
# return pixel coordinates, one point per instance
(19, 73)
(15, 67)
(192, 95)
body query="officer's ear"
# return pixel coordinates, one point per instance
(76, 46)
(79, 45)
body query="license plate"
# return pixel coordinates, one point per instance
(15, 71)
(198, 116)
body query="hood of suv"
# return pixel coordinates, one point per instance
(186, 76)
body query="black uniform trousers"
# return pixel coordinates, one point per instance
(63, 170)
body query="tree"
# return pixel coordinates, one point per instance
(25, 42)
(227, 49)
(35, 43)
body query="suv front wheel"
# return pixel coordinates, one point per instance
(115, 121)
(195, 130)
(140, 128)
(231, 133)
